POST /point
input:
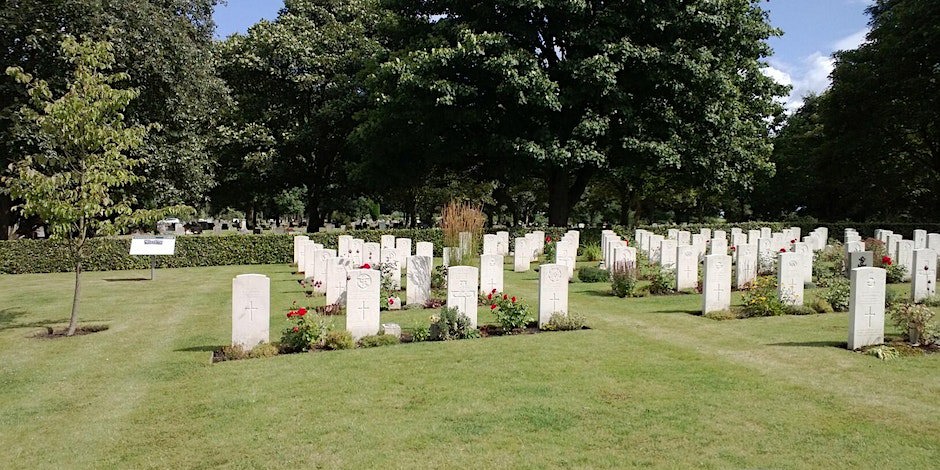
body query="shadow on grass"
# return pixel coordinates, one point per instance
(129, 279)
(813, 344)
(8, 317)
(596, 293)
(199, 349)
(694, 313)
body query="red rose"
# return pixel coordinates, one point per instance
(505, 296)
(886, 260)
(792, 241)
(366, 266)
(391, 301)
(514, 299)
(783, 250)
(494, 291)
(548, 239)
(733, 248)
(301, 312)
(296, 329)
(489, 297)
(493, 307)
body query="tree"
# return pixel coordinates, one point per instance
(562, 89)
(165, 45)
(75, 180)
(298, 87)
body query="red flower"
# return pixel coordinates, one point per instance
(365, 266)
(792, 241)
(783, 250)
(548, 239)
(886, 260)
(301, 312)
(514, 299)
(505, 296)
(734, 248)
(489, 297)
(391, 301)
(296, 329)
(493, 307)
(494, 291)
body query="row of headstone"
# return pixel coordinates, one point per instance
(615, 251)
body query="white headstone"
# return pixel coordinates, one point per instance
(655, 245)
(502, 243)
(765, 232)
(362, 302)
(336, 273)
(686, 267)
(387, 241)
(320, 263)
(462, 291)
(566, 253)
(716, 284)
(372, 252)
(667, 258)
(672, 234)
(522, 256)
(684, 238)
(309, 249)
(553, 291)
(342, 246)
(418, 288)
(719, 246)
(424, 249)
(892, 247)
(933, 241)
(251, 310)
(390, 265)
(753, 236)
(790, 278)
(807, 263)
(867, 307)
(706, 233)
(747, 265)
(906, 256)
(466, 239)
(299, 243)
(924, 277)
(920, 239)
(356, 248)
(491, 273)
(490, 244)
(403, 248)
(766, 254)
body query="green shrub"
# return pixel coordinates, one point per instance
(838, 293)
(234, 353)
(305, 334)
(562, 322)
(932, 301)
(451, 324)
(338, 339)
(623, 280)
(760, 299)
(885, 353)
(439, 277)
(916, 321)
(663, 283)
(821, 305)
(263, 350)
(421, 333)
(591, 274)
(592, 252)
(800, 310)
(895, 273)
(373, 341)
(510, 314)
(893, 297)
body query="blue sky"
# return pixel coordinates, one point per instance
(813, 30)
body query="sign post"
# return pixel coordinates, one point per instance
(153, 246)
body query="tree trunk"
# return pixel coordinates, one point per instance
(7, 225)
(314, 221)
(558, 208)
(73, 321)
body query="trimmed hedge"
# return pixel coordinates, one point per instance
(111, 254)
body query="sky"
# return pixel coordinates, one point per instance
(813, 30)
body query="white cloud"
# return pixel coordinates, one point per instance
(811, 75)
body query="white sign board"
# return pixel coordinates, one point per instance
(155, 246)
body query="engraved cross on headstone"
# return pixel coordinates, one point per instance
(465, 300)
(363, 309)
(250, 308)
(871, 314)
(554, 300)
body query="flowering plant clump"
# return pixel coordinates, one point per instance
(549, 250)
(310, 286)
(510, 314)
(760, 299)
(305, 333)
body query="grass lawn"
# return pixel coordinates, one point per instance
(650, 385)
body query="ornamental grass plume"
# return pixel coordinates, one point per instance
(459, 217)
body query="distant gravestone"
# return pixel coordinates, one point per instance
(320, 263)
(336, 273)
(490, 244)
(566, 253)
(765, 232)
(424, 249)
(906, 256)
(462, 291)
(342, 246)
(892, 245)
(933, 241)
(719, 246)
(418, 287)
(251, 310)
(852, 247)
(746, 272)
(465, 239)
(307, 259)
(686, 268)
(179, 229)
(372, 253)
(684, 238)
(716, 284)
(362, 302)
(924, 275)
(491, 273)
(766, 254)
(867, 307)
(920, 239)
(502, 243)
(522, 256)
(706, 233)
(391, 268)
(753, 236)
(859, 259)
(403, 248)
(539, 237)
(356, 247)
(790, 278)
(553, 291)
(701, 247)
(667, 257)
(720, 234)
(807, 262)
(672, 234)
(387, 241)
(299, 243)
(655, 247)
